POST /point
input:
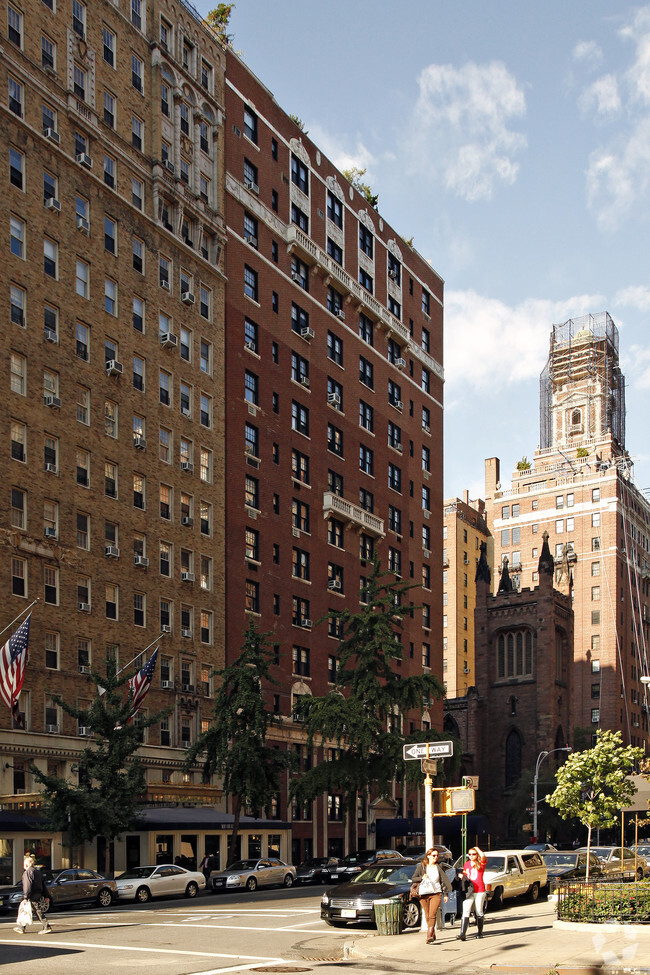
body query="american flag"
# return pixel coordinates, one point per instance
(139, 684)
(13, 660)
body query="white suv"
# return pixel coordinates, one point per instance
(511, 873)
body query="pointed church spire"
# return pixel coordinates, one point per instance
(482, 567)
(546, 562)
(505, 583)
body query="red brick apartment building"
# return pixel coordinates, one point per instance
(334, 413)
(579, 488)
(201, 421)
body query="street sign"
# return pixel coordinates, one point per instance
(429, 749)
(430, 766)
(462, 800)
(470, 781)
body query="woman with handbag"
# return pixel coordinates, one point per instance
(475, 894)
(433, 883)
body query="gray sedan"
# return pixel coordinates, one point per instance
(165, 880)
(251, 874)
(619, 862)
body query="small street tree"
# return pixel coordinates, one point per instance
(593, 785)
(234, 746)
(362, 715)
(219, 20)
(111, 780)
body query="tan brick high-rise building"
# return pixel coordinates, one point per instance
(579, 488)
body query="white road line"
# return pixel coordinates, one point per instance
(255, 959)
(227, 927)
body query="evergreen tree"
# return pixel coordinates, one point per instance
(593, 785)
(362, 715)
(234, 746)
(111, 780)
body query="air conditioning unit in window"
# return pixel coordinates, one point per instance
(49, 335)
(426, 428)
(333, 399)
(427, 514)
(141, 561)
(112, 552)
(399, 405)
(187, 577)
(84, 159)
(398, 447)
(188, 688)
(426, 552)
(85, 731)
(304, 381)
(296, 277)
(334, 584)
(83, 225)
(251, 240)
(250, 344)
(53, 401)
(168, 338)
(52, 729)
(52, 135)
(52, 204)
(392, 274)
(114, 368)
(307, 333)
(251, 185)
(296, 532)
(165, 628)
(170, 166)
(306, 624)
(186, 632)
(187, 297)
(426, 475)
(50, 468)
(168, 684)
(400, 363)
(83, 607)
(139, 443)
(49, 532)
(187, 522)
(186, 466)
(340, 314)
(84, 669)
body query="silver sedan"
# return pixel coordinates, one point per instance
(164, 880)
(251, 874)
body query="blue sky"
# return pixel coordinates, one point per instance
(512, 140)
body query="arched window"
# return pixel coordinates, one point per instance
(450, 726)
(513, 758)
(515, 654)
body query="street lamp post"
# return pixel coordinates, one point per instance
(540, 759)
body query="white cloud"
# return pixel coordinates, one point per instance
(489, 345)
(460, 127)
(588, 52)
(634, 296)
(341, 154)
(602, 97)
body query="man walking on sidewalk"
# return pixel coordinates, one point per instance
(33, 890)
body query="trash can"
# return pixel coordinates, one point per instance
(388, 915)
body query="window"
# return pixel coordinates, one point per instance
(300, 218)
(515, 654)
(335, 532)
(51, 585)
(300, 564)
(395, 436)
(335, 302)
(250, 335)
(299, 466)
(394, 394)
(14, 26)
(252, 596)
(335, 348)
(334, 210)
(16, 167)
(299, 174)
(136, 13)
(18, 508)
(395, 519)
(300, 608)
(138, 254)
(394, 270)
(17, 299)
(17, 237)
(109, 109)
(109, 46)
(110, 479)
(205, 302)
(83, 468)
(110, 419)
(300, 273)
(110, 296)
(426, 309)
(250, 282)
(365, 241)
(205, 410)
(137, 71)
(394, 307)
(299, 418)
(206, 75)
(334, 251)
(79, 18)
(137, 192)
(299, 318)
(366, 499)
(250, 124)
(300, 515)
(137, 132)
(251, 384)
(50, 257)
(366, 329)
(301, 663)
(79, 81)
(109, 171)
(334, 439)
(366, 416)
(395, 478)
(18, 441)
(366, 460)
(250, 176)
(18, 374)
(366, 372)
(18, 577)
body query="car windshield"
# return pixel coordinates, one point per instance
(243, 865)
(604, 852)
(497, 864)
(559, 859)
(317, 862)
(352, 858)
(136, 873)
(386, 875)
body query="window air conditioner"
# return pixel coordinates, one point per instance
(52, 204)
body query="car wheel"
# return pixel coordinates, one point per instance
(105, 897)
(288, 880)
(639, 873)
(335, 923)
(192, 889)
(411, 915)
(497, 899)
(44, 904)
(251, 883)
(142, 895)
(533, 893)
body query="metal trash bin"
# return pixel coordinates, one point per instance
(388, 915)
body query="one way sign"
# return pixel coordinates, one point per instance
(429, 749)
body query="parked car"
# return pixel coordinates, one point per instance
(419, 852)
(571, 865)
(643, 850)
(354, 863)
(318, 870)
(541, 847)
(65, 887)
(354, 900)
(159, 880)
(618, 861)
(251, 874)
(512, 873)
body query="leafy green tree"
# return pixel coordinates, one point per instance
(362, 714)
(593, 785)
(355, 175)
(219, 19)
(234, 746)
(299, 122)
(111, 778)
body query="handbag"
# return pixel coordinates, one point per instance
(24, 914)
(426, 887)
(414, 892)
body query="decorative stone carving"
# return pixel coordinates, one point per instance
(366, 220)
(333, 186)
(299, 150)
(394, 249)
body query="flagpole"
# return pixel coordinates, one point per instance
(102, 690)
(33, 603)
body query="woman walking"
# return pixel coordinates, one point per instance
(433, 883)
(475, 894)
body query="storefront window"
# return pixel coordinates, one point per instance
(254, 846)
(164, 849)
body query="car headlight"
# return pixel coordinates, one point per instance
(325, 899)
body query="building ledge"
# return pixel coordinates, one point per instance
(333, 504)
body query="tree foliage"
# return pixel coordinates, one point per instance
(593, 785)
(111, 780)
(362, 714)
(219, 19)
(355, 175)
(234, 746)
(299, 122)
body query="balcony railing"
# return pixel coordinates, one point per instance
(333, 504)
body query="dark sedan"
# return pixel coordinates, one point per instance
(318, 870)
(354, 901)
(571, 866)
(79, 886)
(354, 863)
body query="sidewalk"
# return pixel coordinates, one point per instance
(525, 939)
